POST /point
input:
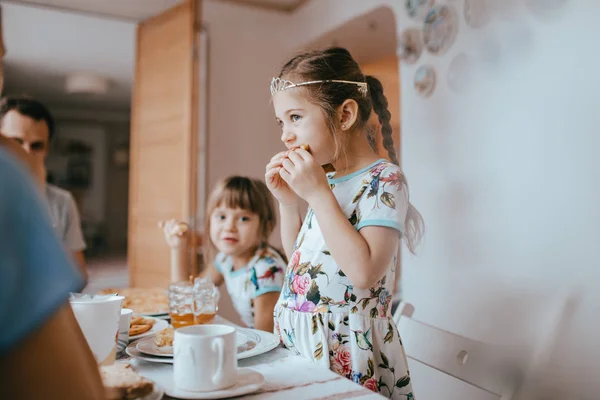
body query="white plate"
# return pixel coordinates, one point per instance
(440, 28)
(247, 381)
(159, 325)
(147, 346)
(132, 351)
(250, 342)
(265, 341)
(161, 315)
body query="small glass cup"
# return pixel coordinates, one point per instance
(193, 303)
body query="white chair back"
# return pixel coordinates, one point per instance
(447, 366)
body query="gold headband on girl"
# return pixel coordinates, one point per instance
(278, 84)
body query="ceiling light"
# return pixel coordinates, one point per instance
(86, 83)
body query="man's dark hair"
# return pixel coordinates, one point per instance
(29, 107)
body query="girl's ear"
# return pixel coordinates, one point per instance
(348, 114)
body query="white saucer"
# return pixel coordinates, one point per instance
(247, 381)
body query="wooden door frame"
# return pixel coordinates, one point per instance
(190, 198)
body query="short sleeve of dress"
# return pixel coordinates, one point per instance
(385, 199)
(270, 269)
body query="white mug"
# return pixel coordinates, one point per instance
(98, 318)
(205, 358)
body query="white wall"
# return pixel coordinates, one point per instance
(507, 182)
(507, 179)
(245, 49)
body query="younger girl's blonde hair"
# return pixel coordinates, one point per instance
(247, 194)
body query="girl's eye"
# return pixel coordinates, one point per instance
(244, 219)
(295, 118)
(221, 217)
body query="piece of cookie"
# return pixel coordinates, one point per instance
(147, 321)
(139, 329)
(165, 337)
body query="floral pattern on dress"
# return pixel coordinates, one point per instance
(264, 273)
(321, 316)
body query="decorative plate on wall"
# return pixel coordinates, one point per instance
(425, 80)
(477, 13)
(459, 72)
(440, 29)
(410, 45)
(418, 9)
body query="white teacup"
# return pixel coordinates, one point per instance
(98, 318)
(124, 323)
(205, 358)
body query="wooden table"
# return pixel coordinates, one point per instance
(287, 376)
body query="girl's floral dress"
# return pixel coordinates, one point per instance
(320, 315)
(263, 274)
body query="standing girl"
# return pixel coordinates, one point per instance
(335, 304)
(240, 218)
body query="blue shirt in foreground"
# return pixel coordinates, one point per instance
(36, 274)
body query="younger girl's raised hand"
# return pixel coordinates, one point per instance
(304, 175)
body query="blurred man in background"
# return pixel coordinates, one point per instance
(30, 124)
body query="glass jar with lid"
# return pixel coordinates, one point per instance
(193, 302)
